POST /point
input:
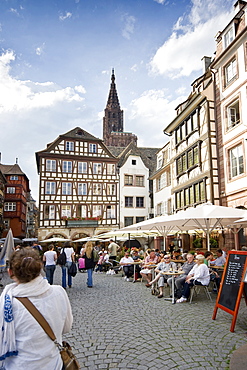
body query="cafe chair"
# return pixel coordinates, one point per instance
(195, 290)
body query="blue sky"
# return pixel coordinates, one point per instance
(56, 59)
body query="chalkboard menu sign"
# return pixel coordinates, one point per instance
(232, 285)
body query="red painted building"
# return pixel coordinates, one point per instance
(15, 200)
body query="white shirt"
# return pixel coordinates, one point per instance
(201, 273)
(69, 252)
(50, 258)
(126, 260)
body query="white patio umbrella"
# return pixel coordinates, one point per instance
(8, 247)
(206, 217)
(87, 239)
(54, 240)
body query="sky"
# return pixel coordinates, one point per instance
(56, 59)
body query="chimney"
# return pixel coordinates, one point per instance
(239, 5)
(206, 61)
(16, 160)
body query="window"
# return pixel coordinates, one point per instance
(128, 180)
(49, 212)
(236, 161)
(10, 190)
(66, 188)
(228, 37)
(13, 177)
(111, 169)
(230, 71)
(50, 165)
(97, 168)
(50, 188)
(111, 212)
(69, 145)
(97, 189)
(133, 162)
(128, 221)
(82, 189)
(82, 167)
(10, 207)
(139, 181)
(83, 211)
(139, 219)
(66, 211)
(189, 196)
(232, 113)
(111, 189)
(97, 211)
(159, 209)
(67, 166)
(128, 201)
(92, 148)
(188, 160)
(139, 202)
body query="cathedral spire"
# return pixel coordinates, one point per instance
(113, 134)
(113, 101)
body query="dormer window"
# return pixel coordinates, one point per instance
(228, 38)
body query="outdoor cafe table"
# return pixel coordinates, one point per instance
(172, 274)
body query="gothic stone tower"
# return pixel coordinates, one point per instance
(113, 134)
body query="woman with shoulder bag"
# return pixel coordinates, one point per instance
(24, 343)
(87, 253)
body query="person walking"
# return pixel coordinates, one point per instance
(87, 253)
(50, 258)
(70, 257)
(24, 343)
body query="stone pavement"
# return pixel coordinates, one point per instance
(120, 325)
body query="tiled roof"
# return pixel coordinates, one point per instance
(11, 169)
(148, 155)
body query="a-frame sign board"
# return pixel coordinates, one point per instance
(233, 285)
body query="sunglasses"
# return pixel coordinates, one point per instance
(166, 258)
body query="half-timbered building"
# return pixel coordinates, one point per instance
(78, 186)
(15, 200)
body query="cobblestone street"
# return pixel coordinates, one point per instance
(120, 325)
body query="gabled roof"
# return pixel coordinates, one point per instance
(148, 155)
(11, 169)
(76, 134)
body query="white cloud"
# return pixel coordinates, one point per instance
(134, 68)
(80, 89)
(150, 113)
(40, 49)
(162, 2)
(40, 112)
(129, 25)
(15, 11)
(192, 38)
(17, 95)
(65, 16)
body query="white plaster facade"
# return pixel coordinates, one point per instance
(133, 191)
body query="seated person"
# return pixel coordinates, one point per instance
(136, 258)
(199, 251)
(100, 262)
(161, 256)
(164, 266)
(208, 257)
(127, 267)
(146, 272)
(180, 279)
(176, 255)
(199, 275)
(220, 260)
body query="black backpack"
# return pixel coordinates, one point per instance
(62, 258)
